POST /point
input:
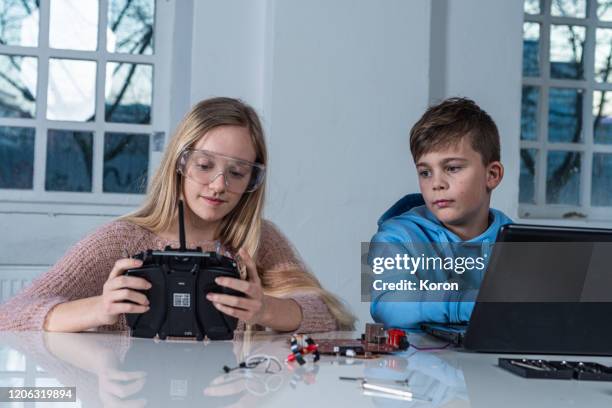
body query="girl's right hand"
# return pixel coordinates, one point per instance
(119, 294)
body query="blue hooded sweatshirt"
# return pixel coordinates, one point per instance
(409, 221)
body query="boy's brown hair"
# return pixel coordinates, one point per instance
(447, 123)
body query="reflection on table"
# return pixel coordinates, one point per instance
(115, 370)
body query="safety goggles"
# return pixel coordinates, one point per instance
(203, 167)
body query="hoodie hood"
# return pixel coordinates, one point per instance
(406, 203)
(409, 219)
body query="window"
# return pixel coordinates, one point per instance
(566, 110)
(82, 122)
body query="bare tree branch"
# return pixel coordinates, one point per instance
(145, 43)
(111, 154)
(528, 160)
(606, 73)
(82, 142)
(564, 172)
(23, 91)
(26, 6)
(121, 14)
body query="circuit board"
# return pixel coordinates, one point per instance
(360, 347)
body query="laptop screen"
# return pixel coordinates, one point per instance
(549, 264)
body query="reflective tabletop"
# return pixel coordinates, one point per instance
(115, 370)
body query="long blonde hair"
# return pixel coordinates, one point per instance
(242, 226)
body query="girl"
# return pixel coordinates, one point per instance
(216, 163)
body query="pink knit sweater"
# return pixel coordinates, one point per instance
(85, 267)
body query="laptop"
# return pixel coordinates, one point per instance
(548, 290)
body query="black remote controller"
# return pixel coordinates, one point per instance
(180, 280)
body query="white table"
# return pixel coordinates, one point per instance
(116, 370)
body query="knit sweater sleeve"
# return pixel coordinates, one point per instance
(275, 256)
(80, 273)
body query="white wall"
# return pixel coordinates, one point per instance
(349, 79)
(341, 84)
(482, 43)
(228, 50)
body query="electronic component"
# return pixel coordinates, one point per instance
(560, 370)
(298, 351)
(375, 340)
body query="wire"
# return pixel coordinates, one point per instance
(431, 348)
(257, 359)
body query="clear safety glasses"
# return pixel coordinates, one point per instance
(203, 167)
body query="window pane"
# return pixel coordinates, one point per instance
(529, 112)
(126, 163)
(18, 86)
(563, 178)
(19, 22)
(568, 8)
(130, 26)
(602, 117)
(531, 6)
(16, 157)
(566, 46)
(604, 10)
(531, 49)
(527, 177)
(69, 161)
(129, 98)
(565, 115)
(12, 360)
(601, 193)
(73, 24)
(72, 90)
(603, 52)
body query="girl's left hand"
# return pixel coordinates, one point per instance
(250, 308)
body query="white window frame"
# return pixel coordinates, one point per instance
(37, 200)
(541, 209)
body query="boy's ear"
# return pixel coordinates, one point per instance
(495, 174)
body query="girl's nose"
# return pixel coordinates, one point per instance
(218, 183)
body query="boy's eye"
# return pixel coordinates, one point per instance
(453, 169)
(424, 173)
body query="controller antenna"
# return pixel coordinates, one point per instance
(181, 226)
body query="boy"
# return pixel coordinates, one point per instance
(456, 149)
